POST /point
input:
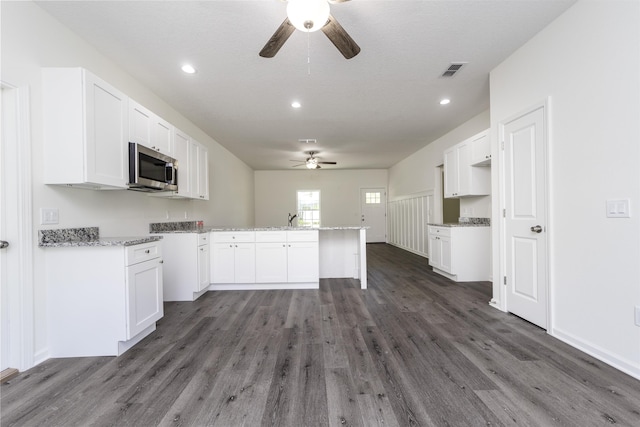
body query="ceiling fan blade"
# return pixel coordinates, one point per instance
(327, 163)
(340, 39)
(277, 40)
(337, 1)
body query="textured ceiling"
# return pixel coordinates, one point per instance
(367, 112)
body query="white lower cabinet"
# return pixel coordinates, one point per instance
(102, 300)
(289, 256)
(186, 266)
(265, 259)
(460, 253)
(233, 257)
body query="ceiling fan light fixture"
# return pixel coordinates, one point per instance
(312, 163)
(308, 15)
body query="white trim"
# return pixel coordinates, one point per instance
(411, 196)
(626, 366)
(501, 301)
(22, 297)
(261, 286)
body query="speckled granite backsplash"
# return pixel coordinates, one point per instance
(464, 220)
(68, 235)
(161, 227)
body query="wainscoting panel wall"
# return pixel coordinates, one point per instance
(408, 218)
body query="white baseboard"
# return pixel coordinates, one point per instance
(624, 365)
(39, 357)
(261, 286)
(422, 254)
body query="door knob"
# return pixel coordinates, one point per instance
(3, 244)
(536, 229)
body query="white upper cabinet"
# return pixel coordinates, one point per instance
(203, 172)
(85, 126)
(182, 144)
(461, 177)
(481, 149)
(147, 129)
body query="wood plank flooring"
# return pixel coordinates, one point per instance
(415, 349)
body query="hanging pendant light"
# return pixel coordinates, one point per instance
(308, 15)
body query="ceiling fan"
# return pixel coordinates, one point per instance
(309, 16)
(312, 162)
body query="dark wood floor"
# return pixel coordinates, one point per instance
(413, 349)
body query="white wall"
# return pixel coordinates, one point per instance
(588, 63)
(275, 194)
(31, 39)
(416, 173)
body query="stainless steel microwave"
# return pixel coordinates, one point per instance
(150, 170)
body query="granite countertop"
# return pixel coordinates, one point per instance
(459, 224)
(198, 227)
(86, 236)
(466, 222)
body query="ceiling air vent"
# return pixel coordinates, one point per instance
(453, 69)
(307, 141)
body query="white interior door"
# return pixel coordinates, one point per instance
(373, 207)
(4, 297)
(525, 216)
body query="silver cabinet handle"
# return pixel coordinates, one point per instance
(536, 229)
(4, 244)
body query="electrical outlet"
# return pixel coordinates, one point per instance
(637, 315)
(49, 216)
(167, 215)
(185, 215)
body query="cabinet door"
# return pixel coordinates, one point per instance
(464, 169)
(450, 173)
(162, 136)
(481, 149)
(203, 172)
(203, 268)
(181, 144)
(445, 252)
(140, 124)
(271, 262)
(245, 262)
(193, 169)
(144, 296)
(223, 263)
(106, 145)
(303, 262)
(435, 251)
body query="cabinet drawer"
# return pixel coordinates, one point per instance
(302, 236)
(139, 253)
(271, 236)
(233, 236)
(440, 231)
(203, 239)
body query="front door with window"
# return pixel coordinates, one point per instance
(373, 208)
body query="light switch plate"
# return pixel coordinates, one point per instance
(619, 208)
(49, 216)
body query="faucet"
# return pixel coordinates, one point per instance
(290, 219)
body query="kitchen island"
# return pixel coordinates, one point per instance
(259, 257)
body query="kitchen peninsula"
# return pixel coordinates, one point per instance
(257, 258)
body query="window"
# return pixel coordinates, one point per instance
(372, 198)
(309, 208)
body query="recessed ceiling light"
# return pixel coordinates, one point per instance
(296, 104)
(188, 68)
(445, 101)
